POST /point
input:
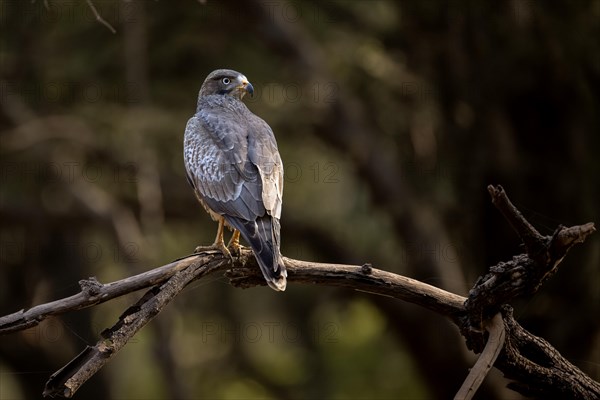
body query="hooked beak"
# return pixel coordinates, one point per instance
(247, 87)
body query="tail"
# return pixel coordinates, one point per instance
(263, 236)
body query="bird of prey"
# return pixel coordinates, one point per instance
(233, 164)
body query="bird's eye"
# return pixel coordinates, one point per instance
(226, 81)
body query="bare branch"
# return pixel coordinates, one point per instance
(525, 273)
(99, 17)
(486, 359)
(530, 236)
(538, 369)
(93, 292)
(246, 274)
(178, 274)
(69, 379)
(362, 278)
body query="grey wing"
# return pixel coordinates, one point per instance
(263, 152)
(217, 166)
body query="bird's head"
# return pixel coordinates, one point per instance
(226, 82)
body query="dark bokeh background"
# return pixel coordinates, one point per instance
(392, 117)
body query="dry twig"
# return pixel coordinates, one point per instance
(99, 17)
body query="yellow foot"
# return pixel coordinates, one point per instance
(220, 246)
(235, 249)
(234, 244)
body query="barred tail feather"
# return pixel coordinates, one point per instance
(263, 237)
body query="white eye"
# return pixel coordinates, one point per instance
(226, 81)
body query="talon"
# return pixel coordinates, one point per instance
(226, 252)
(234, 244)
(215, 246)
(219, 244)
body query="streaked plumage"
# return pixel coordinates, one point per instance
(233, 164)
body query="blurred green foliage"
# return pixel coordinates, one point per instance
(391, 118)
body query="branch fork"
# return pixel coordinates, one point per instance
(484, 318)
(523, 275)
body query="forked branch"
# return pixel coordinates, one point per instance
(483, 318)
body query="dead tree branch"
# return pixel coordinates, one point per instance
(535, 367)
(244, 274)
(69, 379)
(486, 360)
(93, 293)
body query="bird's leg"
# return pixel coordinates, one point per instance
(234, 243)
(219, 244)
